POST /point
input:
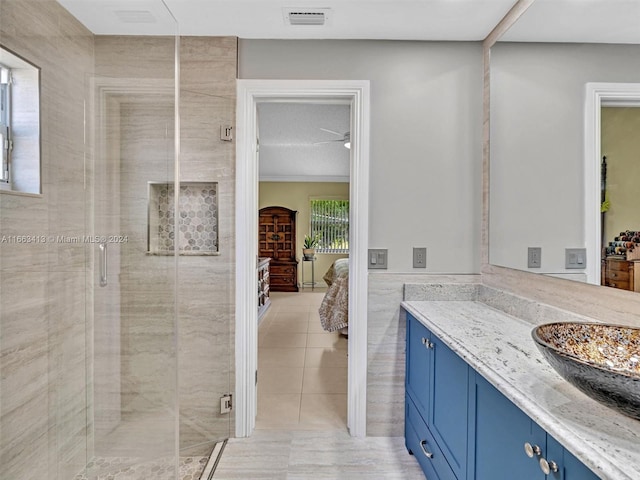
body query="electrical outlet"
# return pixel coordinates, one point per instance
(534, 257)
(419, 257)
(377, 258)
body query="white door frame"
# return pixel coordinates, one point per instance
(250, 92)
(597, 96)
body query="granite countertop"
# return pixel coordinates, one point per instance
(500, 348)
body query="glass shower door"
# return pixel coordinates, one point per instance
(133, 366)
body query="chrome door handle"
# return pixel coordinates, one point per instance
(427, 343)
(103, 264)
(424, 450)
(532, 450)
(548, 467)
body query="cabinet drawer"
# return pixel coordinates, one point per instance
(622, 284)
(618, 265)
(276, 270)
(617, 275)
(421, 443)
(282, 280)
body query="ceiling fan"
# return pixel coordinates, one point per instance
(345, 138)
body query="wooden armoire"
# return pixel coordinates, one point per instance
(277, 240)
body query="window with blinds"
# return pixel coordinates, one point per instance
(330, 222)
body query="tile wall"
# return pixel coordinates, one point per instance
(43, 399)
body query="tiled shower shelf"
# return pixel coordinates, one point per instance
(198, 222)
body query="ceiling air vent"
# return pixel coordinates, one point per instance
(306, 16)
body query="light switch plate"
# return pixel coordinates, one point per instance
(419, 257)
(534, 257)
(377, 258)
(575, 258)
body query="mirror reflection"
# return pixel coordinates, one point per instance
(546, 190)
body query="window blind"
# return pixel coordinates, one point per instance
(330, 223)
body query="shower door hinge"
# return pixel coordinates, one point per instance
(226, 133)
(225, 403)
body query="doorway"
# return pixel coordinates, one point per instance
(250, 93)
(599, 95)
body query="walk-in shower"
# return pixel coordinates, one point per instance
(115, 322)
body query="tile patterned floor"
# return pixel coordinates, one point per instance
(128, 468)
(302, 370)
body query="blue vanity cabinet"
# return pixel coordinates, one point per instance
(501, 432)
(569, 467)
(460, 427)
(449, 405)
(437, 384)
(418, 364)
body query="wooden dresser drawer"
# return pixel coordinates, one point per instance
(278, 270)
(618, 265)
(279, 280)
(617, 276)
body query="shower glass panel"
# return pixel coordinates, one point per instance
(131, 309)
(206, 226)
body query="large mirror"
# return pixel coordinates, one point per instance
(564, 95)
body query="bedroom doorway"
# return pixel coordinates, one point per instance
(303, 192)
(251, 93)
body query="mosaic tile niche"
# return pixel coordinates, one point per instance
(198, 222)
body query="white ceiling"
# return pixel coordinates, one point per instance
(348, 19)
(588, 21)
(288, 135)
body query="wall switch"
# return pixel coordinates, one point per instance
(534, 257)
(575, 258)
(377, 258)
(419, 257)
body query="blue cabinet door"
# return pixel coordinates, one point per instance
(449, 405)
(418, 364)
(569, 467)
(501, 430)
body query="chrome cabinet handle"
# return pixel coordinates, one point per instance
(424, 450)
(427, 343)
(532, 450)
(548, 467)
(103, 264)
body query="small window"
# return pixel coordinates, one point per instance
(19, 124)
(330, 222)
(5, 121)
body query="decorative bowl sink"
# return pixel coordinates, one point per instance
(601, 360)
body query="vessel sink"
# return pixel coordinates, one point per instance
(602, 360)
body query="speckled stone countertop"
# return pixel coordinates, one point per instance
(500, 348)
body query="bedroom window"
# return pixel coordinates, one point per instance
(330, 222)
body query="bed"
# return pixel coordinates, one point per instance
(334, 309)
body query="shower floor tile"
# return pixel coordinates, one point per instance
(128, 468)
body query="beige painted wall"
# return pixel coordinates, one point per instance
(621, 145)
(426, 137)
(296, 196)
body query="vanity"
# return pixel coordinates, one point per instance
(482, 403)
